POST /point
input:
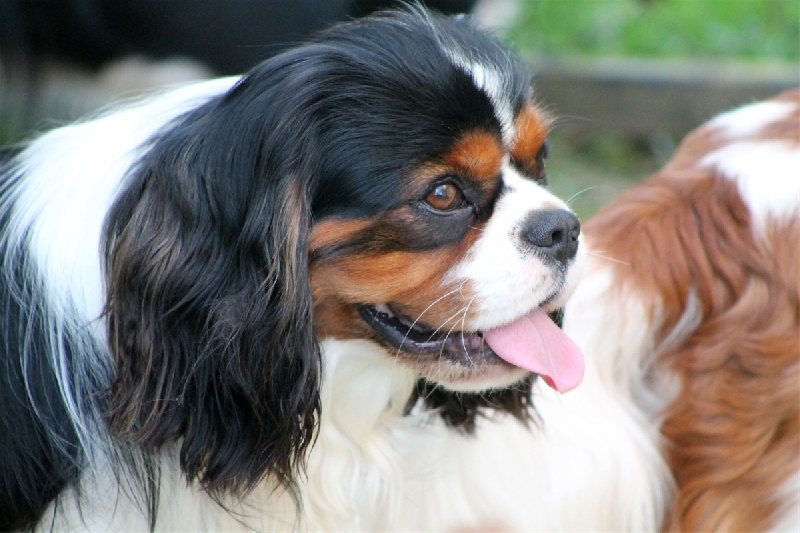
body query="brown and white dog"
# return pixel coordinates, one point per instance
(689, 312)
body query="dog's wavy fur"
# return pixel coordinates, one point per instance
(172, 358)
(171, 269)
(692, 305)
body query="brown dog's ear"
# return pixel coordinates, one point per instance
(209, 303)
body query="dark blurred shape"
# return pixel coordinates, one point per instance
(228, 36)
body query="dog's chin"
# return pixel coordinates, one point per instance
(490, 376)
(457, 360)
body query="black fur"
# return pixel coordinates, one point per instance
(39, 451)
(209, 305)
(229, 37)
(209, 308)
(461, 410)
(216, 346)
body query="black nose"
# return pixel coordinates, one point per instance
(553, 233)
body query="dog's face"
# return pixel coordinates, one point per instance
(434, 225)
(386, 183)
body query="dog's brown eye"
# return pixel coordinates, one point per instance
(445, 197)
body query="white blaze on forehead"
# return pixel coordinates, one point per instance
(524, 195)
(487, 78)
(507, 280)
(767, 174)
(751, 119)
(491, 82)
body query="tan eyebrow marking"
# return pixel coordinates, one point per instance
(532, 126)
(335, 231)
(478, 154)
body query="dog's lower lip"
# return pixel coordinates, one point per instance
(411, 337)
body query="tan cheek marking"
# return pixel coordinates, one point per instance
(532, 127)
(333, 231)
(478, 154)
(412, 281)
(336, 319)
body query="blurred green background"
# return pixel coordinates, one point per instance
(595, 163)
(688, 29)
(703, 51)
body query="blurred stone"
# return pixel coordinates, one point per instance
(640, 98)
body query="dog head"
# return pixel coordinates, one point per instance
(433, 227)
(386, 182)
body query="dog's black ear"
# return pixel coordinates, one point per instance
(209, 304)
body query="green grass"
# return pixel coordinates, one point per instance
(697, 29)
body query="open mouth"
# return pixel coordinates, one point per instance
(414, 338)
(532, 342)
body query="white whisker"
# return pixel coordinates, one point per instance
(463, 326)
(595, 253)
(569, 200)
(447, 335)
(451, 317)
(419, 316)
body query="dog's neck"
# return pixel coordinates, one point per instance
(356, 459)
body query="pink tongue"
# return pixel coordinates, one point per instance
(535, 343)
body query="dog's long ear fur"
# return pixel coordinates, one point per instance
(209, 302)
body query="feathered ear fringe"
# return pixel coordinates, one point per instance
(209, 302)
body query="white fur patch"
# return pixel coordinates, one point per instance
(73, 176)
(751, 119)
(374, 469)
(767, 174)
(589, 466)
(491, 82)
(508, 282)
(788, 520)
